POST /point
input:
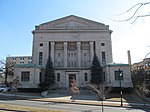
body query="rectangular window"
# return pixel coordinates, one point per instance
(103, 57)
(58, 77)
(40, 58)
(21, 58)
(21, 62)
(75, 64)
(58, 54)
(29, 61)
(58, 64)
(69, 64)
(85, 64)
(40, 76)
(25, 76)
(14, 58)
(85, 77)
(103, 76)
(118, 75)
(41, 44)
(29, 58)
(72, 64)
(102, 44)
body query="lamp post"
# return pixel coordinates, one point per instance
(120, 75)
(102, 92)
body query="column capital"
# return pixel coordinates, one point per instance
(91, 43)
(65, 43)
(52, 42)
(78, 43)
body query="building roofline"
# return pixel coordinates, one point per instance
(117, 65)
(28, 65)
(17, 56)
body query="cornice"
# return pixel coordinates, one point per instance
(71, 31)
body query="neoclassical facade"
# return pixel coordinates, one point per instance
(71, 43)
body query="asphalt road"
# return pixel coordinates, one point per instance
(69, 107)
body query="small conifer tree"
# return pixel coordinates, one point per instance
(49, 76)
(96, 71)
(49, 72)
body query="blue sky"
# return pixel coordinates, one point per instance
(19, 17)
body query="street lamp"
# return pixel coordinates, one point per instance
(102, 91)
(120, 75)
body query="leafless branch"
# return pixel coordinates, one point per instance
(134, 16)
(140, 16)
(100, 90)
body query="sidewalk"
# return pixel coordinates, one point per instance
(82, 99)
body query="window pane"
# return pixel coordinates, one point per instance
(85, 76)
(25, 76)
(41, 44)
(102, 44)
(103, 57)
(40, 58)
(40, 76)
(58, 76)
(103, 76)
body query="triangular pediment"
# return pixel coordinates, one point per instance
(72, 22)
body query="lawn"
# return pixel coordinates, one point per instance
(23, 108)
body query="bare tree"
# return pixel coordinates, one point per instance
(136, 12)
(100, 90)
(73, 89)
(6, 68)
(15, 84)
(144, 89)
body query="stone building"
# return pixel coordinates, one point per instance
(143, 66)
(19, 59)
(71, 43)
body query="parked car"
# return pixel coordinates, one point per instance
(4, 88)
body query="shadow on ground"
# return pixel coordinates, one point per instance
(132, 98)
(129, 97)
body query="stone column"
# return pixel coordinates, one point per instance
(52, 52)
(79, 53)
(65, 54)
(91, 52)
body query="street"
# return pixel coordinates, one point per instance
(69, 107)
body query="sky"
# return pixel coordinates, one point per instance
(19, 17)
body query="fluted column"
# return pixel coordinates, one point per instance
(52, 52)
(79, 53)
(91, 52)
(65, 54)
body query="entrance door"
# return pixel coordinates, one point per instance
(71, 76)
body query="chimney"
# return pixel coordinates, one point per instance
(129, 57)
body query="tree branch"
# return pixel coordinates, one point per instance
(140, 17)
(137, 7)
(131, 8)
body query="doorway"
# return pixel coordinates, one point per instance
(71, 76)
